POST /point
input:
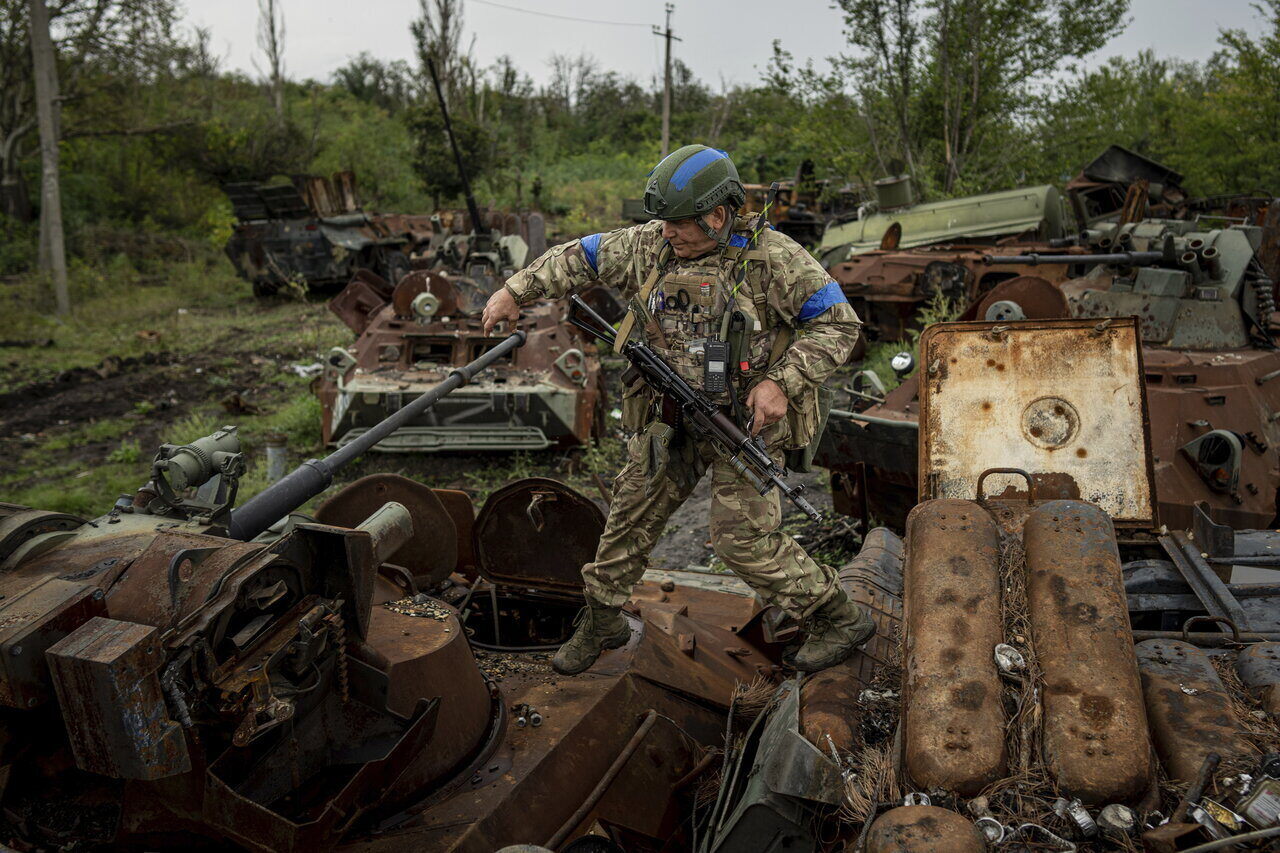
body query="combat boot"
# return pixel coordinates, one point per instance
(833, 633)
(599, 628)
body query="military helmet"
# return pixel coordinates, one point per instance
(691, 181)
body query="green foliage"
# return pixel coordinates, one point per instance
(127, 452)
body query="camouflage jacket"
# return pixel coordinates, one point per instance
(783, 282)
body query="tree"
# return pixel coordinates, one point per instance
(387, 84)
(271, 40)
(942, 83)
(53, 250)
(128, 38)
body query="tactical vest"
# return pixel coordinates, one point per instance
(683, 303)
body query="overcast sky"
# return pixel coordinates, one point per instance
(722, 39)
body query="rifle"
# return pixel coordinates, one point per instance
(746, 455)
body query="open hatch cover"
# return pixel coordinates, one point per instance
(1062, 400)
(537, 533)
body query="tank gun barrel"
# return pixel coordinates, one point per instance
(1126, 259)
(476, 225)
(314, 476)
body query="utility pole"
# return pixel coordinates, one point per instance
(53, 254)
(666, 81)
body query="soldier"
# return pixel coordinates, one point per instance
(686, 274)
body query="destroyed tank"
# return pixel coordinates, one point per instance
(1205, 299)
(904, 255)
(313, 232)
(412, 333)
(183, 673)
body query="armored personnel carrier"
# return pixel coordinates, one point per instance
(313, 232)
(411, 334)
(903, 255)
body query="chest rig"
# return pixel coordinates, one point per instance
(692, 317)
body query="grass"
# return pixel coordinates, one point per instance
(216, 339)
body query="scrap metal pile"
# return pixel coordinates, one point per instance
(1068, 654)
(1204, 289)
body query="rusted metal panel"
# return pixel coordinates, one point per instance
(112, 704)
(953, 717)
(1259, 669)
(1095, 726)
(692, 658)
(30, 624)
(432, 553)
(924, 829)
(1188, 707)
(1060, 399)
(415, 655)
(537, 532)
(829, 700)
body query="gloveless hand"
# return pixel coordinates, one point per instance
(501, 306)
(767, 403)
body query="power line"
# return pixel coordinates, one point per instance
(559, 17)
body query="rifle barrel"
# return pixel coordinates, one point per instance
(1128, 259)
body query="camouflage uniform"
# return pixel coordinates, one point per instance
(792, 291)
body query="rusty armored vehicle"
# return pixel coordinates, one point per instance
(313, 232)
(1205, 296)
(184, 673)
(806, 205)
(904, 255)
(411, 336)
(412, 333)
(1074, 674)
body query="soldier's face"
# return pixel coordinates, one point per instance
(687, 238)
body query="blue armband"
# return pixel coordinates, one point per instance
(590, 247)
(820, 301)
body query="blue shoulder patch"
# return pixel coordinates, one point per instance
(737, 240)
(820, 301)
(590, 247)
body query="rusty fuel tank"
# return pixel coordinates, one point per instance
(953, 716)
(1095, 727)
(1259, 669)
(923, 829)
(1188, 707)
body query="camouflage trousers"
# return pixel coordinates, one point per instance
(744, 532)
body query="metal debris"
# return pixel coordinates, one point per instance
(420, 606)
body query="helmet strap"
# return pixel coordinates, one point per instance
(722, 236)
